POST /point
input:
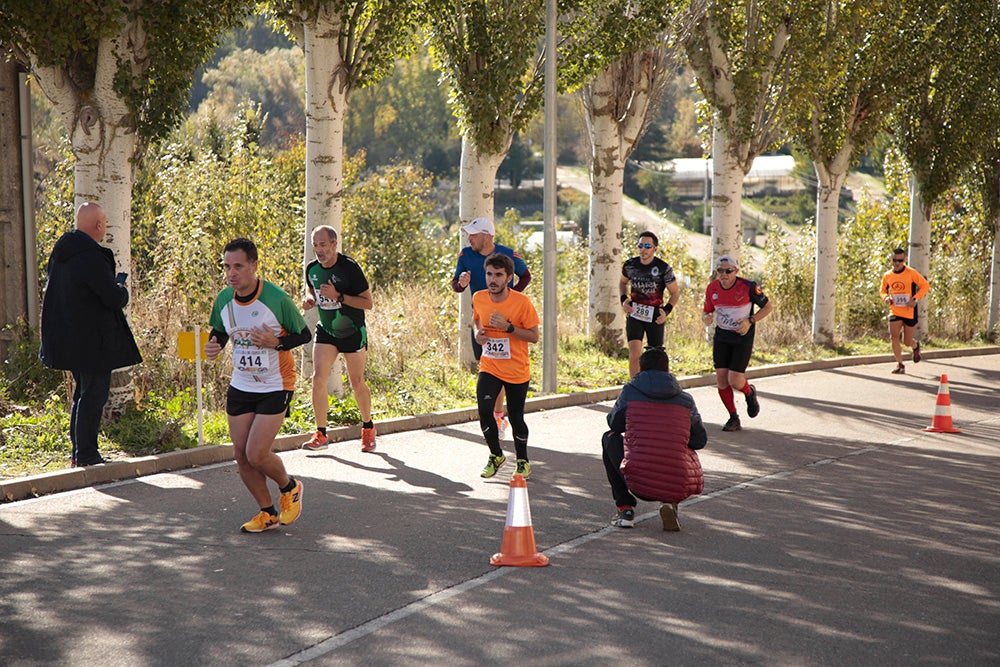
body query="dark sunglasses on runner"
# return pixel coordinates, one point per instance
(645, 245)
(726, 271)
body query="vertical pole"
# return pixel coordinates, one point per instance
(550, 307)
(28, 199)
(197, 383)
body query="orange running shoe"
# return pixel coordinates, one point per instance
(317, 442)
(368, 439)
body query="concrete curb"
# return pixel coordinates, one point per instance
(78, 478)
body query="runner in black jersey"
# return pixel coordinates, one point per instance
(644, 279)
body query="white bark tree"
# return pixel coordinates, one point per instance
(860, 58)
(941, 120)
(347, 44)
(617, 104)
(742, 55)
(488, 53)
(116, 83)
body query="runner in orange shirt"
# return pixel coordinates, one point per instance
(901, 288)
(505, 322)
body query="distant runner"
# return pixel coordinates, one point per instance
(901, 288)
(729, 302)
(644, 279)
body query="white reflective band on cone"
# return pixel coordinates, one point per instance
(518, 512)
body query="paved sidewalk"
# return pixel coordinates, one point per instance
(833, 530)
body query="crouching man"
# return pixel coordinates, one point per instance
(649, 451)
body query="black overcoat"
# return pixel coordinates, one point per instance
(83, 326)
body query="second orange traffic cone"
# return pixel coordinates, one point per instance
(518, 546)
(942, 411)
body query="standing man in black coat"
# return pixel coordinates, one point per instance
(83, 326)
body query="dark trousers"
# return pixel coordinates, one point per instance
(89, 396)
(487, 388)
(614, 452)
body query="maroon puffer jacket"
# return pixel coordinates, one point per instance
(658, 464)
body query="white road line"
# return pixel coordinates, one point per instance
(337, 641)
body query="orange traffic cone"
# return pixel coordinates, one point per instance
(942, 411)
(518, 547)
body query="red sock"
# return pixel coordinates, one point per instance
(746, 388)
(727, 399)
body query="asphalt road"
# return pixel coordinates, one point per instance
(832, 531)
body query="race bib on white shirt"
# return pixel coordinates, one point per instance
(900, 300)
(643, 312)
(497, 348)
(247, 357)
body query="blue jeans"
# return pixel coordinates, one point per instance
(89, 396)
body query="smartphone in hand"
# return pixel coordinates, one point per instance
(121, 278)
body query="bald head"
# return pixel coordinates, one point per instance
(92, 221)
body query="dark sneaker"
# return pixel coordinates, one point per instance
(753, 406)
(916, 353)
(625, 518)
(668, 515)
(263, 521)
(492, 465)
(92, 462)
(733, 424)
(291, 504)
(899, 370)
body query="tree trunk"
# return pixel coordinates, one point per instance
(993, 319)
(830, 180)
(14, 283)
(478, 174)
(326, 106)
(727, 197)
(919, 255)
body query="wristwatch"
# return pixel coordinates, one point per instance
(510, 328)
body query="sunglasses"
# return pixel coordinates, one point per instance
(726, 271)
(645, 245)
(897, 261)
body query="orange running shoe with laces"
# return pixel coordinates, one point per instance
(368, 439)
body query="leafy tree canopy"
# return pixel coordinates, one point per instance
(170, 38)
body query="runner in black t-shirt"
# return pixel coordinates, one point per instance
(644, 279)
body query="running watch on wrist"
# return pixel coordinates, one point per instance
(510, 328)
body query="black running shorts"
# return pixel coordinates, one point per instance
(239, 402)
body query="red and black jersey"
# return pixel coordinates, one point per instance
(733, 305)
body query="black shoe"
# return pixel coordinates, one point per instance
(92, 462)
(753, 406)
(625, 518)
(733, 424)
(899, 370)
(916, 353)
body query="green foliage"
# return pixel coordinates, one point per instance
(23, 376)
(946, 112)
(405, 117)
(272, 80)
(789, 269)
(487, 56)
(519, 164)
(161, 43)
(36, 437)
(384, 225)
(371, 34)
